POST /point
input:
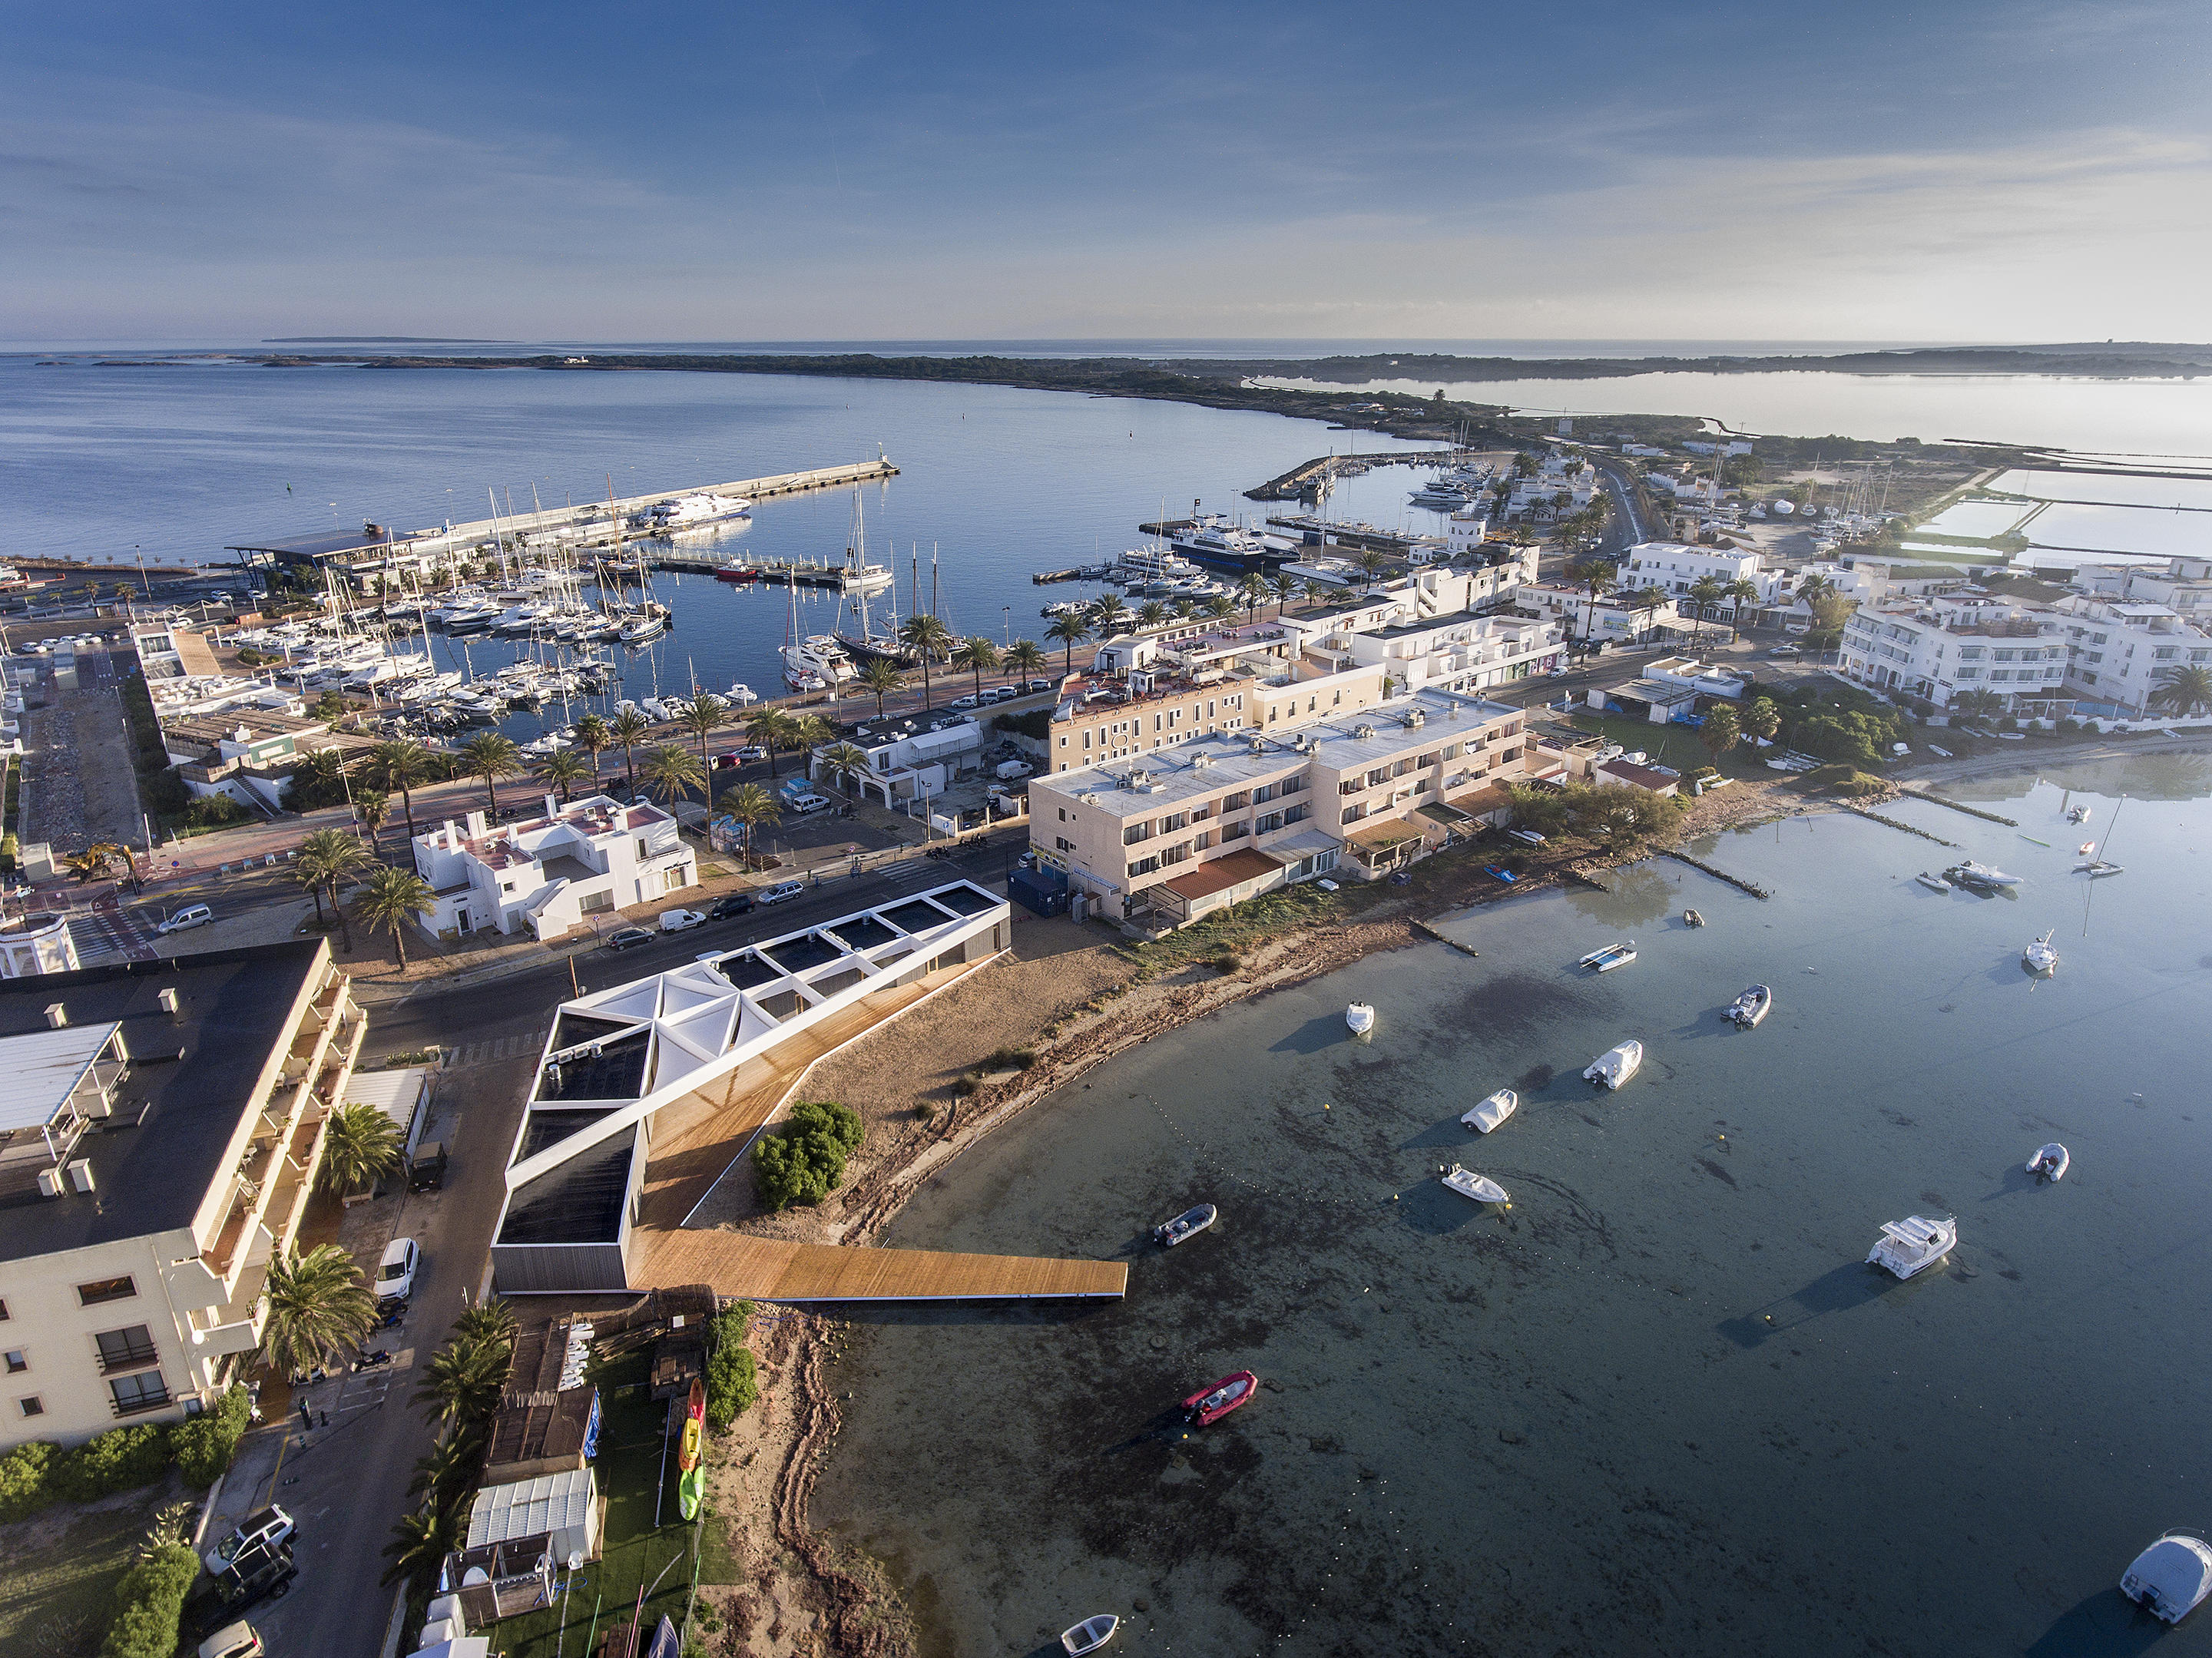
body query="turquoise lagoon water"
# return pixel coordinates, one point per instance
(1661, 1405)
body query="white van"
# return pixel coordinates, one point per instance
(805, 806)
(190, 915)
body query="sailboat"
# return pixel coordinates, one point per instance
(866, 641)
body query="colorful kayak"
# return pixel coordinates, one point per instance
(688, 1492)
(1210, 1404)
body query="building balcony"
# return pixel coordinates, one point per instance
(136, 1356)
(138, 1404)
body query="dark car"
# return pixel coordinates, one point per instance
(426, 1171)
(263, 1573)
(628, 938)
(729, 904)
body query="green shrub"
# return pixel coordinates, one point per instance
(1036, 724)
(1843, 780)
(118, 1460)
(205, 1443)
(803, 1161)
(214, 810)
(151, 1603)
(731, 1382)
(27, 1479)
(164, 792)
(1011, 1059)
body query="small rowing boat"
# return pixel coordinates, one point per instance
(1210, 1404)
(1186, 1225)
(1089, 1635)
(1933, 883)
(1491, 1111)
(1691, 917)
(1469, 1184)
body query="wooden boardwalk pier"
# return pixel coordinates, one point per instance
(1309, 477)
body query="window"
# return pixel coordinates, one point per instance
(1063, 814)
(1176, 854)
(145, 1391)
(1377, 776)
(641, 853)
(1429, 759)
(107, 1289)
(1268, 825)
(1229, 803)
(1205, 839)
(1135, 832)
(1264, 793)
(18, 1361)
(32, 1407)
(1353, 814)
(124, 1349)
(3, 1312)
(1061, 843)
(1293, 785)
(1296, 814)
(1174, 820)
(596, 903)
(1144, 866)
(1236, 831)
(1450, 752)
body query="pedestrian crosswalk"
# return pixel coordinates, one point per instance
(494, 1049)
(104, 936)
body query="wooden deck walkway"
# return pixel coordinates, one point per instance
(696, 1141)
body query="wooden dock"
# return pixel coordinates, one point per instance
(700, 1139)
(1309, 477)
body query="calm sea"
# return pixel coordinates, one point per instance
(1660, 1406)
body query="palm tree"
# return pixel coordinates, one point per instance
(1151, 613)
(492, 1321)
(1742, 592)
(1282, 586)
(491, 756)
(931, 641)
(373, 807)
(751, 804)
(1318, 592)
(1762, 719)
(770, 729)
(880, 674)
(1977, 704)
(1024, 656)
(360, 1143)
(1647, 599)
(1107, 614)
(390, 899)
(1721, 731)
(1253, 589)
(422, 1540)
(563, 769)
(976, 654)
(320, 779)
(672, 773)
(2182, 692)
(1597, 575)
(317, 1304)
(1068, 631)
(463, 1380)
(843, 761)
(1371, 564)
(400, 764)
(708, 714)
(442, 1477)
(595, 739)
(1220, 606)
(323, 859)
(627, 729)
(1185, 608)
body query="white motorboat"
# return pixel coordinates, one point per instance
(1612, 956)
(1156, 563)
(819, 657)
(1616, 1065)
(1933, 883)
(2170, 1577)
(1469, 1184)
(1755, 1004)
(741, 694)
(1089, 1635)
(2079, 815)
(2039, 957)
(693, 511)
(1914, 1245)
(2049, 1163)
(1691, 917)
(1360, 1017)
(1492, 1111)
(1186, 1225)
(1984, 875)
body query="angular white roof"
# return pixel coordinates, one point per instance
(532, 1508)
(40, 1069)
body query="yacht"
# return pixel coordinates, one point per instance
(1914, 1245)
(1982, 875)
(741, 694)
(1469, 1184)
(2170, 1577)
(637, 630)
(693, 511)
(1155, 563)
(1616, 1065)
(1492, 1111)
(818, 657)
(1210, 538)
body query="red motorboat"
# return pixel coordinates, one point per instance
(1209, 1405)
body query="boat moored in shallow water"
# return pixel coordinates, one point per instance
(2049, 1163)
(1491, 1111)
(1469, 1184)
(1188, 1225)
(1612, 956)
(1089, 1635)
(1914, 1244)
(2039, 957)
(2170, 1577)
(1755, 1004)
(1360, 1017)
(1210, 1404)
(1616, 1065)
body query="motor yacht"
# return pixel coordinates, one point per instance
(1983, 875)
(1616, 1065)
(1914, 1245)
(693, 511)
(1469, 1184)
(821, 657)
(1360, 1017)
(2169, 1578)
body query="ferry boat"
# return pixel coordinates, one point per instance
(1210, 538)
(692, 511)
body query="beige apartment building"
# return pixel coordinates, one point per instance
(1179, 831)
(160, 1124)
(1141, 696)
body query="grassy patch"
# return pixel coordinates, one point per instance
(59, 1595)
(635, 1552)
(1235, 932)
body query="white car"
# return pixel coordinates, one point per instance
(805, 806)
(190, 915)
(395, 1273)
(681, 921)
(781, 891)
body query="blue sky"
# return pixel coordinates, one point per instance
(665, 170)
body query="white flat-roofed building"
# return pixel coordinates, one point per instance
(2123, 649)
(161, 1127)
(551, 873)
(1955, 643)
(1676, 567)
(1449, 653)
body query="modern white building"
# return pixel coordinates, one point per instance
(2123, 649)
(551, 872)
(1573, 608)
(1447, 653)
(906, 765)
(1677, 567)
(1942, 646)
(160, 1126)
